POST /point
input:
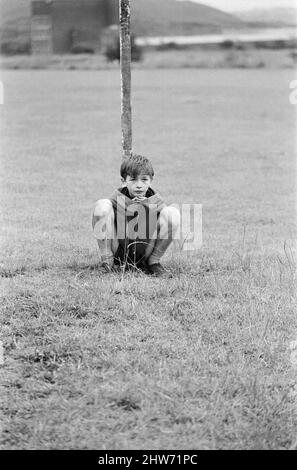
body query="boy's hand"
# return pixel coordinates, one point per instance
(139, 198)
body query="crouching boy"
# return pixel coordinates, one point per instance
(134, 227)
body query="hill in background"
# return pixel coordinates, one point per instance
(170, 17)
(272, 17)
(149, 18)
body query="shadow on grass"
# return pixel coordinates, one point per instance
(11, 272)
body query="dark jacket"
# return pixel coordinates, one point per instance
(135, 223)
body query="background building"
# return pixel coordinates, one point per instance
(63, 26)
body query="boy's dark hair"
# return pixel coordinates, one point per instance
(135, 166)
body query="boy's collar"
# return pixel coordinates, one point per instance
(150, 192)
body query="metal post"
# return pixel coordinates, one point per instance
(125, 48)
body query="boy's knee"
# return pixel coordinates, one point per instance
(170, 216)
(103, 208)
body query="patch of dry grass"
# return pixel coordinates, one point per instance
(197, 361)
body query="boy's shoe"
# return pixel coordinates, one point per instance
(109, 268)
(107, 263)
(143, 267)
(137, 268)
(156, 270)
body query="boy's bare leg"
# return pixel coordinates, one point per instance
(104, 231)
(168, 226)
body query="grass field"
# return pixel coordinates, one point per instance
(199, 361)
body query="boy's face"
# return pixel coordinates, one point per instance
(137, 186)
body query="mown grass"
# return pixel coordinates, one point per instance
(198, 361)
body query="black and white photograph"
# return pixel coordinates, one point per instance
(148, 228)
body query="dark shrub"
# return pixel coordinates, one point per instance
(227, 44)
(168, 46)
(277, 44)
(82, 49)
(240, 46)
(112, 50)
(15, 47)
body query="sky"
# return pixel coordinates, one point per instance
(241, 5)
